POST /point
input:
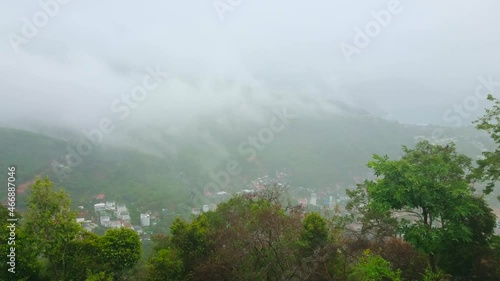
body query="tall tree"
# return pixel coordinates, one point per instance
(314, 233)
(121, 249)
(85, 256)
(429, 183)
(50, 224)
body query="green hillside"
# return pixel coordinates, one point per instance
(316, 154)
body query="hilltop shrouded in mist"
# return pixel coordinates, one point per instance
(427, 59)
(202, 81)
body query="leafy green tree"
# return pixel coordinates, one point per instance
(246, 238)
(430, 184)
(464, 258)
(315, 231)
(121, 249)
(489, 168)
(434, 275)
(190, 239)
(50, 225)
(101, 276)
(27, 265)
(373, 268)
(85, 257)
(165, 265)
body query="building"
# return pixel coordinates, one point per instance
(110, 205)
(127, 224)
(124, 216)
(145, 220)
(104, 219)
(89, 226)
(99, 207)
(195, 211)
(121, 208)
(206, 208)
(314, 198)
(115, 224)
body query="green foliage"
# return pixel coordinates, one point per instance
(489, 168)
(121, 249)
(93, 256)
(463, 258)
(436, 275)
(372, 267)
(27, 265)
(376, 223)
(430, 183)
(32, 152)
(430, 178)
(165, 264)
(191, 240)
(85, 256)
(315, 231)
(246, 238)
(50, 224)
(101, 276)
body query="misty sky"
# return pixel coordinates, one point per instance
(427, 58)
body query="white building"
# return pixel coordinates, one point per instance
(110, 205)
(124, 216)
(145, 220)
(104, 220)
(195, 211)
(89, 226)
(99, 207)
(314, 198)
(206, 208)
(121, 208)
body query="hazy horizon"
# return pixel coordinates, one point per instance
(426, 60)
